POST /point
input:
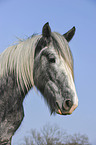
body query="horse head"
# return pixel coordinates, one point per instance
(53, 71)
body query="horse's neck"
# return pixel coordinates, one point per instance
(11, 110)
(9, 87)
(10, 93)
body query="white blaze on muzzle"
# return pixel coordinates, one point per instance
(64, 66)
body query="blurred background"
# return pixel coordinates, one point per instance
(22, 18)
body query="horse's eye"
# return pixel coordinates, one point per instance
(52, 60)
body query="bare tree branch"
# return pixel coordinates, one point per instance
(53, 135)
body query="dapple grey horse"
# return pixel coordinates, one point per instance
(44, 61)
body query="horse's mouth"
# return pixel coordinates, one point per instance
(63, 112)
(59, 112)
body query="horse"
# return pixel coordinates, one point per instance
(43, 61)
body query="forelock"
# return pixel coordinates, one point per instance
(62, 47)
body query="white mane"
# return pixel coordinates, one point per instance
(19, 59)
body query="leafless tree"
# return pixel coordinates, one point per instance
(52, 135)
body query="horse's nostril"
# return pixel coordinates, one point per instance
(67, 104)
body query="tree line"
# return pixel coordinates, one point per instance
(53, 135)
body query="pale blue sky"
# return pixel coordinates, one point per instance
(21, 18)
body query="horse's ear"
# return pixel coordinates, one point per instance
(46, 31)
(68, 36)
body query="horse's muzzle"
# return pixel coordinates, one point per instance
(67, 108)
